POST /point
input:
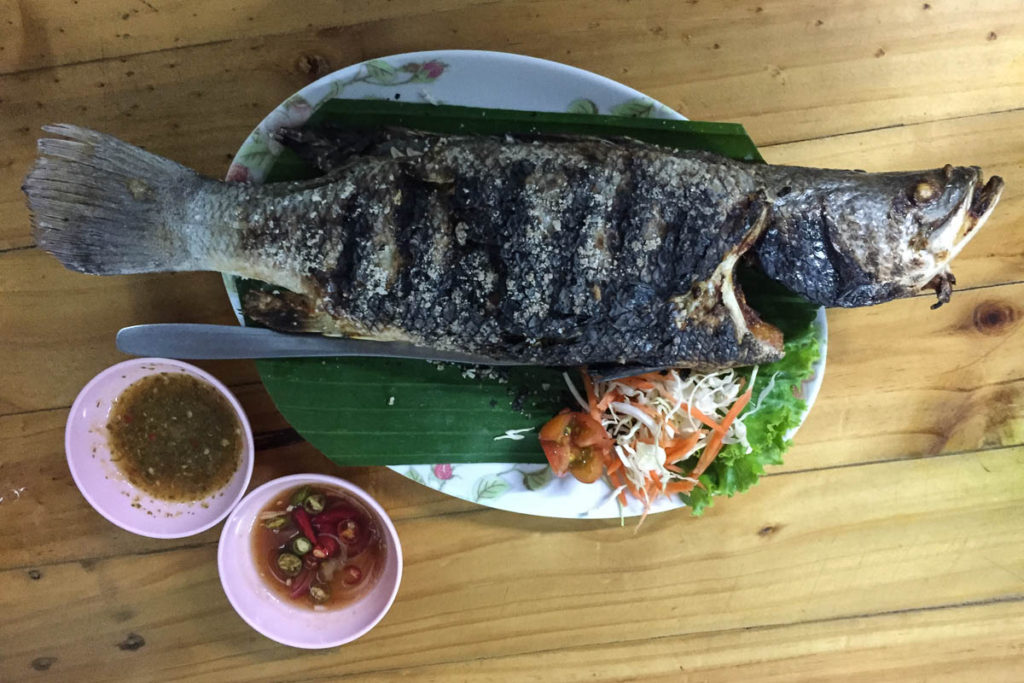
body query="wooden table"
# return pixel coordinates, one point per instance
(889, 547)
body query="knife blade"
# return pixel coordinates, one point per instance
(210, 342)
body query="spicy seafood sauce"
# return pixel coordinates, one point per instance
(319, 547)
(175, 437)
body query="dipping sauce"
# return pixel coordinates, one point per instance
(174, 437)
(318, 547)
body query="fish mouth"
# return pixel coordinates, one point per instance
(962, 226)
(968, 217)
(983, 200)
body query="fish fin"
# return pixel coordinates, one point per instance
(102, 206)
(287, 311)
(329, 146)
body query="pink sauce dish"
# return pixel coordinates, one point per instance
(283, 608)
(108, 490)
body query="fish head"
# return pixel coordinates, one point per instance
(890, 235)
(948, 206)
(941, 211)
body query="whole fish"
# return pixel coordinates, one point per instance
(547, 250)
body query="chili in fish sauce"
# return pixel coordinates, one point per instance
(319, 547)
(174, 437)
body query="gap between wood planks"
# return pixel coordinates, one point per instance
(924, 609)
(95, 559)
(875, 129)
(480, 509)
(242, 385)
(97, 60)
(780, 143)
(882, 461)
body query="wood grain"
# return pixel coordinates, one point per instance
(50, 313)
(944, 643)
(902, 380)
(926, 534)
(820, 67)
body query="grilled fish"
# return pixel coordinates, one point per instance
(837, 238)
(555, 251)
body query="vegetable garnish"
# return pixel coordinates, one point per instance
(653, 434)
(577, 443)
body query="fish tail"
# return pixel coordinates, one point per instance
(103, 206)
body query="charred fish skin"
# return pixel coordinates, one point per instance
(554, 254)
(549, 253)
(838, 238)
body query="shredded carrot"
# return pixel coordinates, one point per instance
(637, 383)
(632, 489)
(714, 445)
(679, 486)
(588, 385)
(674, 468)
(606, 400)
(618, 480)
(613, 466)
(679, 451)
(676, 442)
(734, 411)
(699, 415)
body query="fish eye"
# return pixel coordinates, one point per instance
(923, 192)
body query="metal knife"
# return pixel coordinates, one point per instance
(194, 341)
(197, 341)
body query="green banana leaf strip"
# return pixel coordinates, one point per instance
(727, 139)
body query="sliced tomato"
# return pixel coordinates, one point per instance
(576, 443)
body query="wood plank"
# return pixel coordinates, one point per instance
(51, 33)
(36, 486)
(902, 380)
(946, 644)
(53, 316)
(820, 67)
(803, 549)
(212, 94)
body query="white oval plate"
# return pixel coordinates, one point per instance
(502, 81)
